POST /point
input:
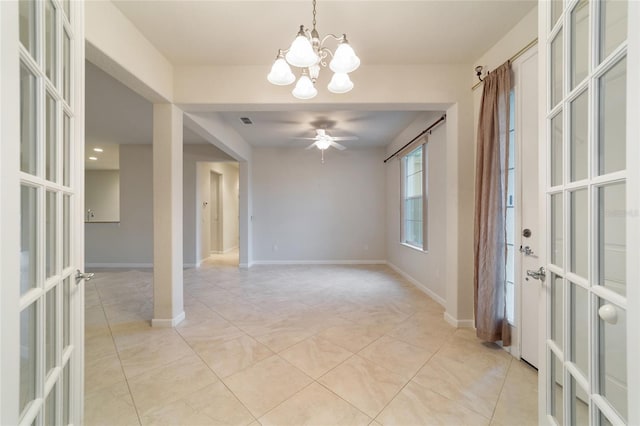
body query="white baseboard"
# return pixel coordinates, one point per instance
(319, 262)
(168, 323)
(458, 323)
(118, 265)
(245, 265)
(418, 284)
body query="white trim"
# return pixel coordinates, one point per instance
(418, 285)
(458, 323)
(245, 265)
(119, 265)
(319, 262)
(168, 323)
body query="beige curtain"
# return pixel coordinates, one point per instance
(490, 246)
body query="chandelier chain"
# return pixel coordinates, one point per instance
(314, 14)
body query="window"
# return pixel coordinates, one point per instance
(414, 198)
(511, 222)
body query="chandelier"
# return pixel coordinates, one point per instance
(309, 53)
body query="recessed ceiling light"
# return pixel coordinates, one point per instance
(98, 149)
(93, 158)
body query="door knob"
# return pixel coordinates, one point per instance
(537, 275)
(608, 313)
(83, 276)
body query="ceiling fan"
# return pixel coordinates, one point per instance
(323, 140)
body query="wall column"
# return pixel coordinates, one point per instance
(168, 308)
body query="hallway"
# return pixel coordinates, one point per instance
(290, 345)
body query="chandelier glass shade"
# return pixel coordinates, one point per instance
(307, 51)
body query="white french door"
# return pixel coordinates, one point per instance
(588, 211)
(42, 171)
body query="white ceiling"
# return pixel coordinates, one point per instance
(235, 32)
(280, 128)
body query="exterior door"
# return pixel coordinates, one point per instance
(42, 238)
(588, 166)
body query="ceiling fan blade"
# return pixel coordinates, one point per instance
(345, 138)
(338, 146)
(311, 146)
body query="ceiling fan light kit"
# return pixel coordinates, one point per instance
(307, 51)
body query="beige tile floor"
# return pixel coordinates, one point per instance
(292, 345)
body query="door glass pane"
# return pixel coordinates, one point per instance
(51, 140)
(28, 141)
(556, 150)
(50, 408)
(612, 242)
(557, 309)
(556, 384)
(612, 107)
(66, 230)
(28, 362)
(579, 404)
(66, 400)
(579, 42)
(51, 325)
(556, 70)
(51, 240)
(28, 25)
(50, 41)
(557, 238)
(28, 238)
(579, 228)
(66, 312)
(556, 11)
(579, 328)
(578, 142)
(613, 356)
(66, 151)
(613, 25)
(66, 66)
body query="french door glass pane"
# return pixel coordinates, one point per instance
(28, 141)
(557, 238)
(579, 247)
(579, 404)
(556, 11)
(557, 309)
(579, 42)
(579, 328)
(66, 150)
(613, 357)
(50, 408)
(66, 312)
(50, 342)
(66, 66)
(556, 150)
(612, 115)
(612, 239)
(28, 360)
(556, 383)
(50, 41)
(556, 70)
(578, 143)
(66, 230)
(51, 240)
(66, 376)
(27, 12)
(613, 25)
(28, 238)
(51, 140)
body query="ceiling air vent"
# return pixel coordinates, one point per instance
(246, 120)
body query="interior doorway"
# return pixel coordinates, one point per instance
(215, 209)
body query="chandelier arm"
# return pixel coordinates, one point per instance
(335, 37)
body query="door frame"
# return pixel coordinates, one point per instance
(218, 206)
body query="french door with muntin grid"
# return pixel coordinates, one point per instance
(584, 164)
(46, 320)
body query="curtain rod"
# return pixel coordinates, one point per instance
(438, 121)
(513, 58)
